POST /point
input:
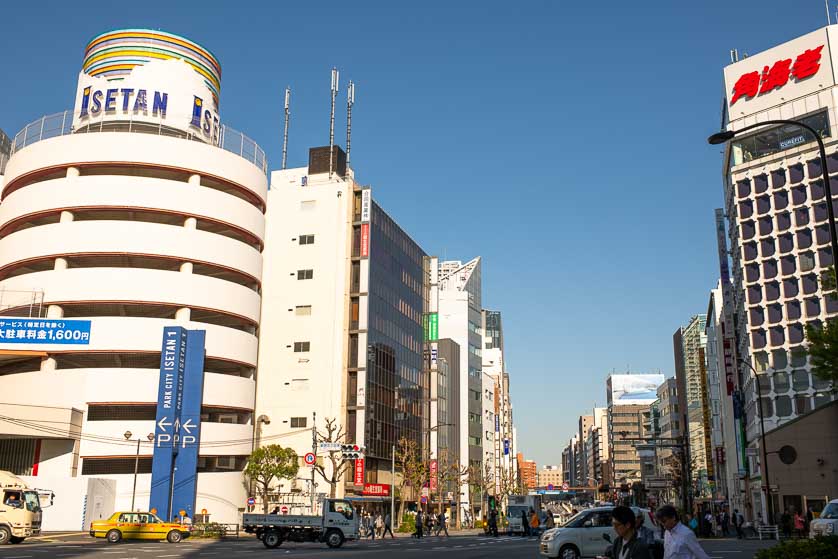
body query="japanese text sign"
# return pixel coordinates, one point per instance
(359, 471)
(43, 331)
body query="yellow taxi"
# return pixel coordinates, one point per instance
(138, 526)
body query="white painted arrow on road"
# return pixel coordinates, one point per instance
(188, 426)
(163, 424)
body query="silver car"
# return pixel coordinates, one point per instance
(582, 535)
(827, 523)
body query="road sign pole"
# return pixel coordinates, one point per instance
(314, 451)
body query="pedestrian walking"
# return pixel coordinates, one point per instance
(679, 542)
(525, 524)
(419, 524)
(534, 523)
(370, 526)
(725, 522)
(550, 522)
(799, 524)
(379, 525)
(442, 525)
(809, 516)
(785, 523)
(708, 524)
(493, 523)
(627, 545)
(738, 522)
(388, 526)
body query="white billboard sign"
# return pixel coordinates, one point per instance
(780, 75)
(632, 389)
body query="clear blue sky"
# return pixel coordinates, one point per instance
(562, 141)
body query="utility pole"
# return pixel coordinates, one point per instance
(314, 451)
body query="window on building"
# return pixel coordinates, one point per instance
(306, 239)
(474, 441)
(298, 422)
(302, 347)
(305, 274)
(302, 310)
(474, 395)
(473, 418)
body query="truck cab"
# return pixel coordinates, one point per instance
(20, 510)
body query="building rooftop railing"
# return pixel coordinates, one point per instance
(61, 124)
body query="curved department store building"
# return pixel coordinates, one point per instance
(136, 210)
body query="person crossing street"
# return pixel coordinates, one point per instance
(679, 542)
(442, 524)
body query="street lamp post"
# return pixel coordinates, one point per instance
(127, 436)
(725, 135)
(768, 501)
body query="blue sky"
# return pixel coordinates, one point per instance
(562, 141)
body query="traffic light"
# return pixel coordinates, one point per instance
(351, 451)
(493, 504)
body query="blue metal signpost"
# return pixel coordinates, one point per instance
(185, 486)
(169, 402)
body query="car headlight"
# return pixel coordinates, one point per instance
(829, 528)
(549, 535)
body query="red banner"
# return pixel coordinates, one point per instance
(377, 489)
(434, 472)
(359, 471)
(365, 239)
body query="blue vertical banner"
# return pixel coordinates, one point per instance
(169, 403)
(185, 486)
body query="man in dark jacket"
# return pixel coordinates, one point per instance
(627, 545)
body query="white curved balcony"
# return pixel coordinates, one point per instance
(127, 238)
(138, 149)
(128, 192)
(135, 334)
(134, 285)
(74, 388)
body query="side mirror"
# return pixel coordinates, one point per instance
(607, 537)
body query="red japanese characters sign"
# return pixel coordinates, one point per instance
(365, 239)
(359, 471)
(377, 489)
(778, 74)
(434, 474)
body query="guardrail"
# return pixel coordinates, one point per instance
(61, 124)
(215, 530)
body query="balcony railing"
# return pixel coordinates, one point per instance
(61, 124)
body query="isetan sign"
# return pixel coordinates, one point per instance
(781, 75)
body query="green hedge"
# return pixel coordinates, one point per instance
(819, 548)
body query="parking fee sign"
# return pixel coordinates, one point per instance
(310, 459)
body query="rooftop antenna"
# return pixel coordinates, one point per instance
(350, 100)
(734, 55)
(335, 81)
(287, 119)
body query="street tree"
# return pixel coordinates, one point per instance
(823, 339)
(414, 470)
(269, 463)
(332, 433)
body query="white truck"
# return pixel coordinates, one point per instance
(20, 509)
(338, 523)
(518, 507)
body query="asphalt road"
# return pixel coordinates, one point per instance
(457, 546)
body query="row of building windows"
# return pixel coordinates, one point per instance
(305, 274)
(302, 347)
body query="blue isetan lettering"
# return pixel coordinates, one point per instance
(97, 103)
(126, 97)
(160, 102)
(110, 100)
(140, 102)
(207, 122)
(85, 101)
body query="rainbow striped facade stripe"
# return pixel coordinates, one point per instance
(115, 53)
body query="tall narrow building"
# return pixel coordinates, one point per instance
(689, 343)
(345, 289)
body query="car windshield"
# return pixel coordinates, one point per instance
(830, 512)
(515, 511)
(33, 502)
(576, 520)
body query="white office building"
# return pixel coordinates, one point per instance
(779, 235)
